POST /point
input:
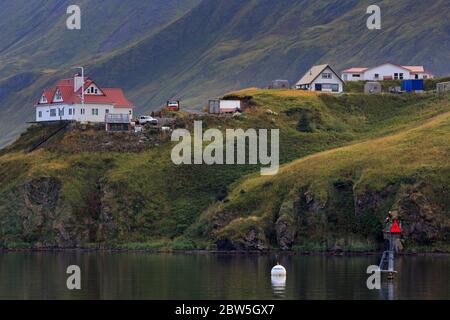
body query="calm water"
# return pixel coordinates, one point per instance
(210, 276)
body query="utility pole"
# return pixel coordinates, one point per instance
(391, 270)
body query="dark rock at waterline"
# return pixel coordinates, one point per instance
(225, 245)
(251, 240)
(285, 227)
(285, 235)
(423, 221)
(336, 249)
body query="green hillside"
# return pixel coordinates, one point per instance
(339, 198)
(347, 160)
(161, 49)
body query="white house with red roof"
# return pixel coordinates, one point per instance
(386, 71)
(65, 102)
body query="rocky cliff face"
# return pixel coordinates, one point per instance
(38, 213)
(304, 218)
(44, 219)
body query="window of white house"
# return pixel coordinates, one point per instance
(61, 112)
(300, 87)
(326, 75)
(330, 86)
(356, 75)
(43, 99)
(82, 111)
(107, 111)
(395, 76)
(40, 114)
(92, 90)
(52, 112)
(377, 75)
(95, 112)
(416, 76)
(58, 96)
(401, 76)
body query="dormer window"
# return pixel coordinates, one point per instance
(93, 89)
(43, 99)
(58, 96)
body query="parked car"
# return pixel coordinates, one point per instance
(143, 120)
(173, 105)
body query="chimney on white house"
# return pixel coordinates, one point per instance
(77, 82)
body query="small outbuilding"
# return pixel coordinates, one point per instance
(443, 87)
(214, 106)
(372, 87)
(280, 84)
(224, 106)
(117, 122)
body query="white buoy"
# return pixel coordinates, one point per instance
(278, 277)
(278, 282)
(278, 271)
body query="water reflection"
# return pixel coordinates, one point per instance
(42, 275)
(387, 291)
(279, 286)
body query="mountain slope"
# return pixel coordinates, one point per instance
(34, 34)
(249, 43)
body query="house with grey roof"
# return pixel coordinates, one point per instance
(321, 78)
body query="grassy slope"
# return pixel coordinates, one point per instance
(148, 199)
(417, 155)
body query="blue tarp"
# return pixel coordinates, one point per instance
(413, 85)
